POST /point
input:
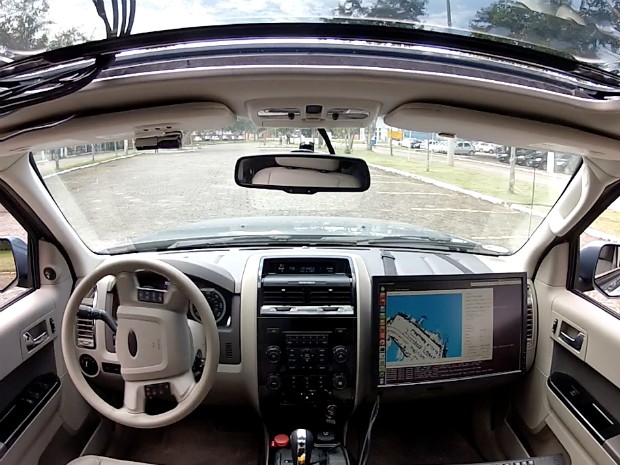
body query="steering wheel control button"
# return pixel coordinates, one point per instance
(88, 365)
(132, 343)
(340, 354)
(113, 368)
(152, 296)
(274, 382)
(158, 391)
(274, 353)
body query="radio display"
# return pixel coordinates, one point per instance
(302, 266)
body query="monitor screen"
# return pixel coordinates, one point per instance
(444, 328)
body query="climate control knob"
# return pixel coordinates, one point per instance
(274, 382)
(274, 353)
(339, 381)
(340, 354)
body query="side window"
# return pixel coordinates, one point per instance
(598, 270)
(14, 264)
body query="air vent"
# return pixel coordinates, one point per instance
(529, 326)
(296, 295)
(286, 295)
(228, 350)
(85, 333)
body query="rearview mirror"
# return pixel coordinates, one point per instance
(298, 173)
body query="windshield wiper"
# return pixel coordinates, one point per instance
(236, 241)
(427, 242)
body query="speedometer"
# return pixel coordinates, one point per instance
(216, 302)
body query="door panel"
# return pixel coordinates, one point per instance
(42, 404)
(583, 388)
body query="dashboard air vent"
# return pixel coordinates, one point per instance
(529, 326)
(85, 332)
(283, 295)
(297, 295)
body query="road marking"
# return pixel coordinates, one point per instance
(468, 210)
(415, 193)
(492, 238)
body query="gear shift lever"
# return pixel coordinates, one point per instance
(301, 446)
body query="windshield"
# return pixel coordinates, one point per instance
(586, 29)
(425, 192)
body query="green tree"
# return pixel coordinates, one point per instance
(69, 37)
(354, 11)
(24, 24)
(554, 24)
(405, 10)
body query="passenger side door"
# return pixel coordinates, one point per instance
(577, 372)
(37, 401)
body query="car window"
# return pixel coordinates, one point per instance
(12, 287)
(605, 229)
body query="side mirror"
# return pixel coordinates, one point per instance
(599, 268)
(13, 263)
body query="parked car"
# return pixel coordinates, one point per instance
(486, 147)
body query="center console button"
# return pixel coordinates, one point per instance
(273, 354)
(274, 382)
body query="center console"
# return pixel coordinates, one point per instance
(307, 338)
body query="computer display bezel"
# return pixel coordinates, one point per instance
(378, 281)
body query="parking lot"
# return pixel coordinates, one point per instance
(133, 197)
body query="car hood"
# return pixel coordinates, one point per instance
(297, 225)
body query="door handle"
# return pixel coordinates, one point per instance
(575, 342)
(32, 342)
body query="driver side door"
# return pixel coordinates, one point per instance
(39, 407)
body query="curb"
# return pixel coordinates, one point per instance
(460, 190)
(90, 165)
(486, 198)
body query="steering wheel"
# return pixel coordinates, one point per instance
(153, 343)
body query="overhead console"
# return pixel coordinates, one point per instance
(307, 336)
(433, 330)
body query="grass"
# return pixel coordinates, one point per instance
(470, 179)
(7, 263)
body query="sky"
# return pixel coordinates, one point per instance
(154, 15)
(158, 15)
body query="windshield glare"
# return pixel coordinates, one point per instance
(487, 194)
(587, 30)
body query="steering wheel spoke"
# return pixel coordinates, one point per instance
(178, 388)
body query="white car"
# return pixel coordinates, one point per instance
(254, 303)
(486, 147)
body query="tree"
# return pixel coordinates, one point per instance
(354, 11)
(69, 37)
(554, 24)
(24, 24)
(406, 10)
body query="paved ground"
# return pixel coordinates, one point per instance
(136, 196)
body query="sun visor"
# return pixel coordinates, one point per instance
(144, 122)
(505, 130)
(302, 112)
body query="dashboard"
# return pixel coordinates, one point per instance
(298, 326)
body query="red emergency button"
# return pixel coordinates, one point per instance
(281, 440)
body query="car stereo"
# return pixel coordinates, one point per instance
(440, 328)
